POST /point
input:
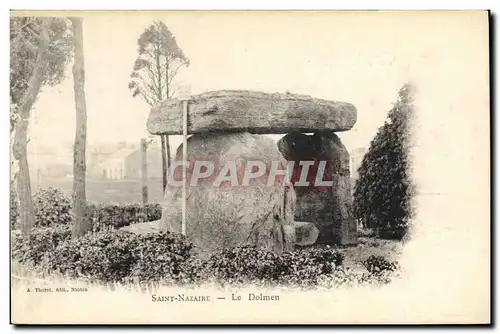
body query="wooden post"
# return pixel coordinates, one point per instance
(184, 96)
(144, 174)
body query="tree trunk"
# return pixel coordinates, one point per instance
(81, 225)
(164, 165)
(144, 170)
(167, 144)
(26, 210)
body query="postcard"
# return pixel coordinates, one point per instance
(250, 167)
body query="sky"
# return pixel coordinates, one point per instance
(361, 58)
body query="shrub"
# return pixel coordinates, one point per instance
(241, 264)
(51, 207)
(376, 265)
(14, 209)
(119, 256)
(383, 191)
(168, 258)
(162, 257)
(40, 243)
(104, 256)
(106, 216)
(248, 264)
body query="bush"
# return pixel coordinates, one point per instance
(51, 207)
(105, 256)
(41, 243)
(113, 256)
(162, 257)
(14, 209)
(168, 258)
(377, 265)
(248, 264)
(383, 191)
(106, 216)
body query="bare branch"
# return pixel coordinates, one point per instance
(173, 73)
(173, 91)
(152, 78)
(144, 92)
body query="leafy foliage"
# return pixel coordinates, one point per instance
(24, 40)
(14, 116)
(378, 264)
(383, 191)
(14, 209)
(42, 242)
(251, 265)
(51, 207)
(105, 256)
(105, 216)
(159, 59)
(167, 258)
(161, 257)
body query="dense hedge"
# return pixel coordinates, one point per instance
(124, 257)
(249, 264)
(52, 207)
(120, 215)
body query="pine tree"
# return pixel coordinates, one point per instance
(383, 191)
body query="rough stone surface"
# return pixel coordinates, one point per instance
(253, 112)
(143, 228)
(329, 208)
(305, 233)
(226, 216)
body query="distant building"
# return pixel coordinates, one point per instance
(133, 163)
(123, 162)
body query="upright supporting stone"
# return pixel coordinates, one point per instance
(328, 207)
(222, 211)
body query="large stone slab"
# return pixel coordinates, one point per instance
(253, 112)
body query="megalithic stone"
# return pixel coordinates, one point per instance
(252, 112)
(225, 215)
(328, 207)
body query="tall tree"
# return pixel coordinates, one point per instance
(40, 48)
(159, 59)
(81, 225)
(383, 191)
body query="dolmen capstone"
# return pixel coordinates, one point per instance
(235, 194)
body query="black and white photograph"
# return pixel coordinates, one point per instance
(241, 167)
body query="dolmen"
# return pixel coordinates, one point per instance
(244, 188)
